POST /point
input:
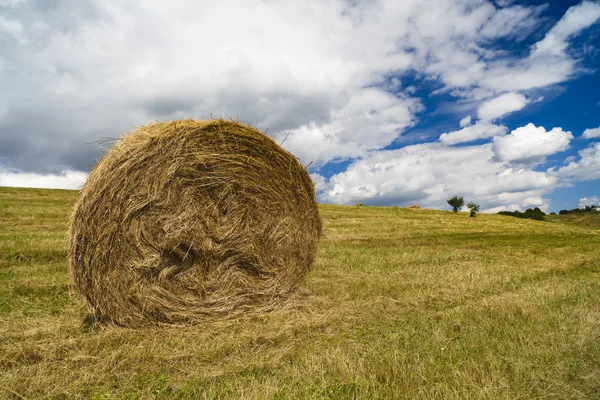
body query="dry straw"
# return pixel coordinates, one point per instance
(186, 221)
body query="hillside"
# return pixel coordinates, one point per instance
(400, 304)
(583, 219)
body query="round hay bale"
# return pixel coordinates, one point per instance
(192, 220)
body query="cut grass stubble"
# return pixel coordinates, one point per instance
(402, 304)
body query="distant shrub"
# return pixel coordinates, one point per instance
(586, 209)
(535, 214)
(534, 210)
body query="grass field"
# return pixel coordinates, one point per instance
(585, 219)
(402, 304)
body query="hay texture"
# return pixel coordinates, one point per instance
(192, 220)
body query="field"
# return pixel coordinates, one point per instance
(586, 219)
(400, 304)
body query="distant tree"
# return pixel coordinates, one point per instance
(456, 203)
(474, 209)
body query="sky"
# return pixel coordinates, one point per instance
(388, 102)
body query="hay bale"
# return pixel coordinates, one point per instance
(192, 220)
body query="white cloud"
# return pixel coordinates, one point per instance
(591, 133)
(588, 201)
(66, 180)
(527, 74)
(501, 105)
(13, 28)
(469, 70)
(574, 21)
(309, 78)
(428, 174)
(530, 144)
(370, 120)
(504, 3)
(466, 121)
(473, 132)
(309, 69)
(319, 181)
(586, 169)
(513, 21)
(534, 71)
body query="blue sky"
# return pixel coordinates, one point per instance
(389, 102)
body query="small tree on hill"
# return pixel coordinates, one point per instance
(474, 209)
(456, 202)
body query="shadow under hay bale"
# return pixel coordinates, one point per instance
(186, 221)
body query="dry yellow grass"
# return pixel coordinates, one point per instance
(402, 304)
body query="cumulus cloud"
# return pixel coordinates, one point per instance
(591, 133)
(501, 105)
(589, 201)
(530, 144)
(430, 173)
(473, 132)
(370, 120)
(585, 169)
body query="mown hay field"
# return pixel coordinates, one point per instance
(399, 304)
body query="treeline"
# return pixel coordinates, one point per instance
(585, 209)
(530, 213)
